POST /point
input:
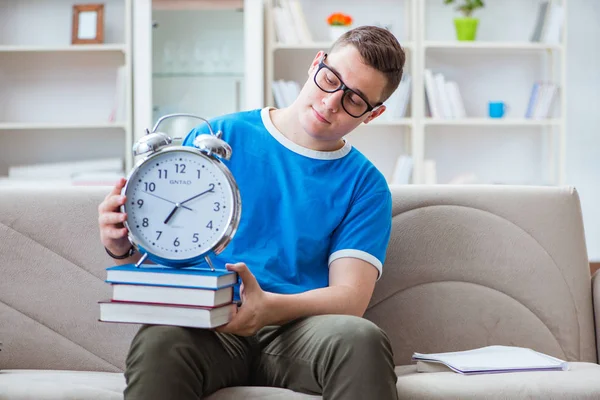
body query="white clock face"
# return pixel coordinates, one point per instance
(179, 204)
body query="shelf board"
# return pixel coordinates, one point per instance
(475, 45)
(198, 75)
(318, 46)
(491, 122)
(59, 125)
(390, 122)
(63, 49)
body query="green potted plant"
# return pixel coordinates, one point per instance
(466, 27)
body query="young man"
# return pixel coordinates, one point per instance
(310, 246)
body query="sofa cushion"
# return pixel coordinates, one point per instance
(60, 385)
(582, 381)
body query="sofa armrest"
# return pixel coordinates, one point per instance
(596, 299)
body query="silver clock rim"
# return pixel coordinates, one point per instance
(232, 223)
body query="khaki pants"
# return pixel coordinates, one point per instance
(339, 357)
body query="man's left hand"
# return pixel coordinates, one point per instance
(252, 315)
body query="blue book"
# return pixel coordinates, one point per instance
(158, 275)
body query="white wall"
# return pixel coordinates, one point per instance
(583, 99)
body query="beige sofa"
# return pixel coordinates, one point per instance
(467, 267)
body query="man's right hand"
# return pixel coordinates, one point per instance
(113, 233)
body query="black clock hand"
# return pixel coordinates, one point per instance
(172, 212)
(172, 202)
(211, 190)
(180, 204)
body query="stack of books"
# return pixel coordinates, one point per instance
(158, 295)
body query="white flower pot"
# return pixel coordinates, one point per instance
(335, 31)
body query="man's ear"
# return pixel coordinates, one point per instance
(315, 62)
(377, 111)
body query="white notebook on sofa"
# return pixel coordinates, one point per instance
(489, 360)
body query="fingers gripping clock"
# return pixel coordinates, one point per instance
(183, 204)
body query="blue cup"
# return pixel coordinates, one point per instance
(497, 109)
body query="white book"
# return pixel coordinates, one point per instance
(440, 86)
(283, 13)
(494, 359)
(432, 97)
(549, 96)
(456, 101)
(159, 314)
(532, 100)
(172, 295)
(404, 97)
(541, 95)
(299, 18)
(555, 18)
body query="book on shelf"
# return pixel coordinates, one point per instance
(541, 100)
(549, 23)
(397, 104)
(290, 22)
(285, 92)
(158, 275)
(489, 360)
(164, 314)
(172, 295)
(443, 96)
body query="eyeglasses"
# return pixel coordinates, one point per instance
(355, 104)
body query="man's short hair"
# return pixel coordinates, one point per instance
(380, 50)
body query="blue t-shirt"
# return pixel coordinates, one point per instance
(301, 209)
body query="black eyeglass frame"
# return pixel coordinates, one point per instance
(343, 87)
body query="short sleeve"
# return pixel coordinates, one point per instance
(364, 232)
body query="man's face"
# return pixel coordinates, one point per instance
(322, 115)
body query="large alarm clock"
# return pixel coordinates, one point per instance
(183, 204)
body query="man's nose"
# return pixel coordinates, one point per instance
(332, 101)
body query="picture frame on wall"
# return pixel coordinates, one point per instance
(88, 24)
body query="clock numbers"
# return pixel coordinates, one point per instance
(179, 206)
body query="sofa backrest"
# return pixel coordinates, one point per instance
(53, 269)
(466, 267)
(471, 266)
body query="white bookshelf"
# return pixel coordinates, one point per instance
(80, 48)
(384, 139)
(425, 29)
(57, 98)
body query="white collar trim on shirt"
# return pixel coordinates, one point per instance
(319, 155)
